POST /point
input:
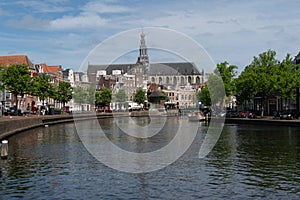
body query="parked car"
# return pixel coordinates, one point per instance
(289, 114)
(232, 114)
(243, 114)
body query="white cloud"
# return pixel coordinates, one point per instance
(42, 6)
(89, 17)
(28, 22)
(78, 22)
(98, 7)
(230, 30)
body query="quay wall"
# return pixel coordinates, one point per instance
(12, 125)
(263, 121)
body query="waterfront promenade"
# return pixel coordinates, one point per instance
(10, 125)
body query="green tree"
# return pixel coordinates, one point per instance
(17, 80)
(90, 95)
(42, 86)
(205, 96)
(257, 78)
(285, 78)
(139, 96)
(165, 97)
(121, 96)
(227, 73)
(63, 92)
(81, 95)
(244, 90)
(78, 95)
(216, 89)
(103, 97)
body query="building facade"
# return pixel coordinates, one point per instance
(180, 80)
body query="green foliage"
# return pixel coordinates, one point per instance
(285, 78)
(90, 97)
(79, 95)
(268, 76)
(42, 86)
(139, 96)
(103, 97)
(165, 97)
(16, 79)
(63, 92)
(121, 96)
(227, 73)
(216, 89)
(205, 96)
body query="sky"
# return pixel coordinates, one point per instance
(64, 32)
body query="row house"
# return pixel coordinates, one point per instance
(28, 101)
(80, 80)
(7, 99)
(55, 72)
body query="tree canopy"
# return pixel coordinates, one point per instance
(139, 96)
(120, 96)
(16, 79)
(227, 73)
(267, 76)
(63, 92)
(42, 86)
(103, 97)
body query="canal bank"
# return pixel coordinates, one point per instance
(263, 121)
(12, 125)
(15, 124)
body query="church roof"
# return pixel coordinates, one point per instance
(176, 68)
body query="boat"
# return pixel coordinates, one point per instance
(196, 116)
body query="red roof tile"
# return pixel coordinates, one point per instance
(51, 69)
(18, 59)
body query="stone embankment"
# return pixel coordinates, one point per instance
(13, 125)
(16, 124)
(263, 121)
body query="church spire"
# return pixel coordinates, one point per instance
(143, 57)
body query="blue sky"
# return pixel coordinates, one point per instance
(63, 32)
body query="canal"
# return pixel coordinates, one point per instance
(248, 161)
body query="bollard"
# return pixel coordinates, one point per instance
(4, 149)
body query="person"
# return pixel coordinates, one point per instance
(43, 110)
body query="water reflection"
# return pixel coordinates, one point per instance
(247, 162)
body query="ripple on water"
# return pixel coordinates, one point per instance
(247, 162)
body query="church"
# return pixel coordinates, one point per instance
(179, 80)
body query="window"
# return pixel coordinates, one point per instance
(7, 95)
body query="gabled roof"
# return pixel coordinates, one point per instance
(51, 69)
(13, 60)
(156, 93)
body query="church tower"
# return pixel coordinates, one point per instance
(143, 57)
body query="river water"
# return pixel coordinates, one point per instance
(247, 162)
